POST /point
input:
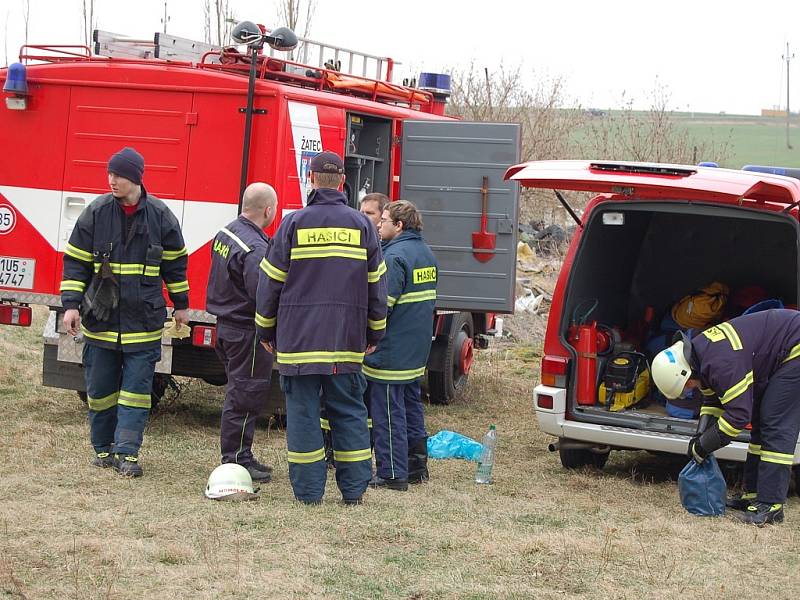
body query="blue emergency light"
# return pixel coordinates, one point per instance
(786, 171)
(16, 80)
(708, 163)
(437, 83)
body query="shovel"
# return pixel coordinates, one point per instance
(484, 242)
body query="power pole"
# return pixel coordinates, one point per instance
(166, 18)
(787, 57)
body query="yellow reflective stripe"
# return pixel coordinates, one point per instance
(324, 424)
(780, 458)
(715, 411)
(738, 389)
(393, 375)
(135, 400)
(793, 353)
(731, 334)
(103, 336)
(328, 252)
(304, 458)
(179, 286)
(141, 337)
(272, 271)
(369, 423)
(72, 285)
(102, 403)
(77, 253)
(707, 392)
(422, 296)
(375, 276)
(320, 356)
(727, 428)
(263, 321)
(329, 235)
(352, 455)
(376, 325)
(131, 269)
(173, 254)
(754, 449)
(391, 301)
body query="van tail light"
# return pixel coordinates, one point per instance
(544, 401)
(204, 336)
(554, 371)
(15, 314)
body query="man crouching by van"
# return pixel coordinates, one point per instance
(748, 372)
(394, 369)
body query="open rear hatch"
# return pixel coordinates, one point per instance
(659, 233)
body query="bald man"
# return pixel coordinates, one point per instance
(236, 253)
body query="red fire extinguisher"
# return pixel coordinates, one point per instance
(588, 340)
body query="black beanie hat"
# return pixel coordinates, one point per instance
(127, 163)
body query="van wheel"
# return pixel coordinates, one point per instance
(456, 359)
(577, 458)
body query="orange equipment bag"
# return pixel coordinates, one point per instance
(701, 308)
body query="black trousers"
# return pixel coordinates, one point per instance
(248, 367)
(773, 439)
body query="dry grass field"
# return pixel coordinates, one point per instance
(68, 530)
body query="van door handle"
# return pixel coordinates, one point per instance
(74, 201)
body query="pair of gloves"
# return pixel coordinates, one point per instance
(706, 440)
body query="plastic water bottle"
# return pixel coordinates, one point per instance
(484, 472)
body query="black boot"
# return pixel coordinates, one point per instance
(418, 462)
(399, 485)
(740, 502)
(127, 465)
(761, 513)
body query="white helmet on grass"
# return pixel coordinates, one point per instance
(671, 369)
(230, 482)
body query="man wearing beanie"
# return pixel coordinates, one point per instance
(122, 247)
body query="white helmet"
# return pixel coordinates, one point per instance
(671, 369)
(230, 482)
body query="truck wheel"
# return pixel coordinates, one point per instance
(577, 458)
(456, 360)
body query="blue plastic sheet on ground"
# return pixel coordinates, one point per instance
(449, 444)
(702, 488)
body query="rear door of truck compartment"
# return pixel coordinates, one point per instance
(657, 181)
(442, 171)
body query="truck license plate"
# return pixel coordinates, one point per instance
(17, 272)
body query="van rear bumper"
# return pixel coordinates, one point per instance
(555, 422)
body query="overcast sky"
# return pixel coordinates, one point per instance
(711, 55)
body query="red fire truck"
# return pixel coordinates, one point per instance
(185, 106)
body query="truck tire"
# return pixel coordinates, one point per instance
(454, 354)
(577, 458)
(161, 382)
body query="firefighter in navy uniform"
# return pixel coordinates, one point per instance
(748, 372)
(393, 371)
(123, 245)
(236, 254)
(321, 306)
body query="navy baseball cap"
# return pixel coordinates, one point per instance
(326, 162)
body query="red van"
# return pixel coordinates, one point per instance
(651, 235)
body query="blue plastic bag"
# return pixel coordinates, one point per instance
(449, 444)
(702, 488)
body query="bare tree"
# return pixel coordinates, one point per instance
(26, 16)
(652, 135)
(223, 19)
(207, 21)
(89, 21)
(289, 12)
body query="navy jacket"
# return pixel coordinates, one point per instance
(152, 250)
(735, 360)
(322, 291)
(236, 253)
(411, 277)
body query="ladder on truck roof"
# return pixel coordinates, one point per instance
(309, 52)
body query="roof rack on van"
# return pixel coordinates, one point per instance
(645, 169)
(337, 69)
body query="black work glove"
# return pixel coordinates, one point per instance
(705, 422)
(696, 451)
